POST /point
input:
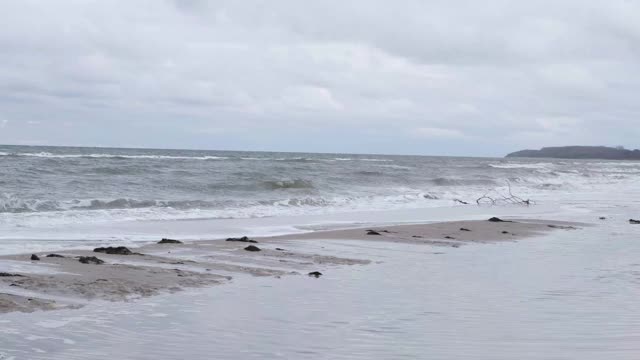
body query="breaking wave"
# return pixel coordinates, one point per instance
(461, 182)
(521, 166)
(288, 184)
(102, 186)
(13, 204)
(110, 156)
(49, 155)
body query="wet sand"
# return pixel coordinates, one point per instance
(64, 282)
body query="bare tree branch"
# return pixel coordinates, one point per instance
(496, 197)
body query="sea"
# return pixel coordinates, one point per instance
(84, 193)
(564, 295)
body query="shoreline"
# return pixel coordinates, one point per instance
(64, 282)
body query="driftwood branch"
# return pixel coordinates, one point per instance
(496, 197)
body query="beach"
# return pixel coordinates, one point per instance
(394, 298)
(61, 280)
(379, 261)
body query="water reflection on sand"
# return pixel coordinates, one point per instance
(568, 295)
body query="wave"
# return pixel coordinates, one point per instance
(110, 156)
(120, 170)
(288, 184)
(50, 155)
(139, 204)
(442, 181)
(13, 204)
(521, 166)
(361, 159)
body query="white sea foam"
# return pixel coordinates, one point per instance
(521, 166)
(46, 199)
(111, 156)
(43, 154)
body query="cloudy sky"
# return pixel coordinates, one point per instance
(418, 77)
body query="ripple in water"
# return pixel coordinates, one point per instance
(536, 299)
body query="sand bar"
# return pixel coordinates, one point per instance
(65, 282)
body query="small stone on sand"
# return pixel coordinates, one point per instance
(4, 274)
(169, 241)
(119, 250)
(243, 239)
(252, 248)
(90, 260)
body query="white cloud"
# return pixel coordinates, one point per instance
(493, 69)
(559, 124)
(438, 133)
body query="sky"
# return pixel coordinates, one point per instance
(479, 78)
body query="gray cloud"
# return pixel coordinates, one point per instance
(439, 77)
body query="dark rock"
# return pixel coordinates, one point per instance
(90, 260)
(373, 232)
(4, 274)
(243, 239)
(280, 249)
(252, 248)
(449, 237)
(54, 256)
(496, 219)
(464, 229)
(169, 241)
(315, 274)
(119, 250)
(505, 232)
(634, 222)
(603, 218)
(562, 227)
(34, 257)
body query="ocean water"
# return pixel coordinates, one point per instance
(564, 295)
(75, 194)
(567, 295)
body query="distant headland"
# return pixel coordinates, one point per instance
(580, 152)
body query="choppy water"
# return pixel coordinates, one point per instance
(51, 191)
(568, 295)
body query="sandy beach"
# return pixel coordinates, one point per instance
(60, 280)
